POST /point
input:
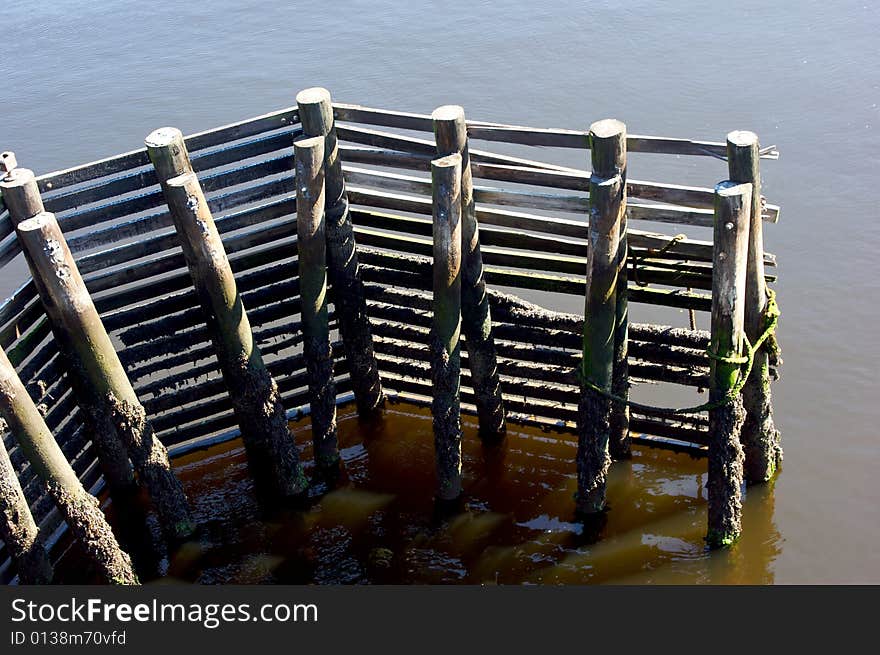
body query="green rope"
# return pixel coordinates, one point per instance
(745, 361)
(636, 259)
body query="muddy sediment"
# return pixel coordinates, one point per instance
(725, 474)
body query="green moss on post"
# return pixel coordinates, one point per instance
(760, 438)
(445, 336)
(254, 394)
(450, 131)
(608, 155)
(18, 529)
(312, 247)
(79, 508)
(731, 234)
(347, 292)
(112, 401)
(600, 312)
(22, 197)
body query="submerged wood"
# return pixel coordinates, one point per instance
(78, 507)
(476, 320)
(316, 115)
(608, 154)
(113, 402)
(254, 394)
(23, 197)
(732, 216)
(317, 348)
(594, 410)
(760, 438)
(445, 344)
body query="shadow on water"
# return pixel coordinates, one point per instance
(377, 523)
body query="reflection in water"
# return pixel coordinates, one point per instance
(517, 525)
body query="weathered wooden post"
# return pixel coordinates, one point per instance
(19, 530)
(347, 293)
(78, 507)
(113, 401)
(22, 198)
(446, 330)
(450, 132)
(760, 437)
(600, 318)
(254, 394)
(729, 262)
(312, 247)
(608, 154)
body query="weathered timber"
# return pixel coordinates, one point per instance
(594, 409)
(113, 403)
(445, 341)
(760, 438)
(252, 390)
(22, 195)
(79, 508)
(316, 115)
(732, 216)
(18, 529)
(312, 248)
(476, 320)
(608, 155)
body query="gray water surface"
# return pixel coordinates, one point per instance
(82, 80)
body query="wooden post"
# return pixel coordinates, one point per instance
(22, 198)
(729, 261)
(112, 400)
(19, 530)
(608, 154)
(594, 410)
(78, 507)
(760, 437)
(446, 329)
(254, 394)
(312, 248)
(450, 132)
(347, 290)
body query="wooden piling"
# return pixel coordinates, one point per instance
(19, 530)
(347, 291)
(608, 155)
(78, 507)
(760, 438)
(312, 248)
(450, 132)
(600, 318)
(22, 198)
(252, 390)
(446, 329)
(729, 263)
(112, 400)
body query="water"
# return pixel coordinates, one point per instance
(83, 80)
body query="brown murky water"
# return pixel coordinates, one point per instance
(378, 524)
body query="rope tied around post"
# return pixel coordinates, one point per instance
(746, 360)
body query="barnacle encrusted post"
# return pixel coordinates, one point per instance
(312, 249)
(78, 507)
(18, 528)
(22, 197)
(760, 438)
(347, 289)
(597, 366)
(112, 400)
(608, 155)
(731, 243)
(254, 394)
(445, 336)
(450, 132)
